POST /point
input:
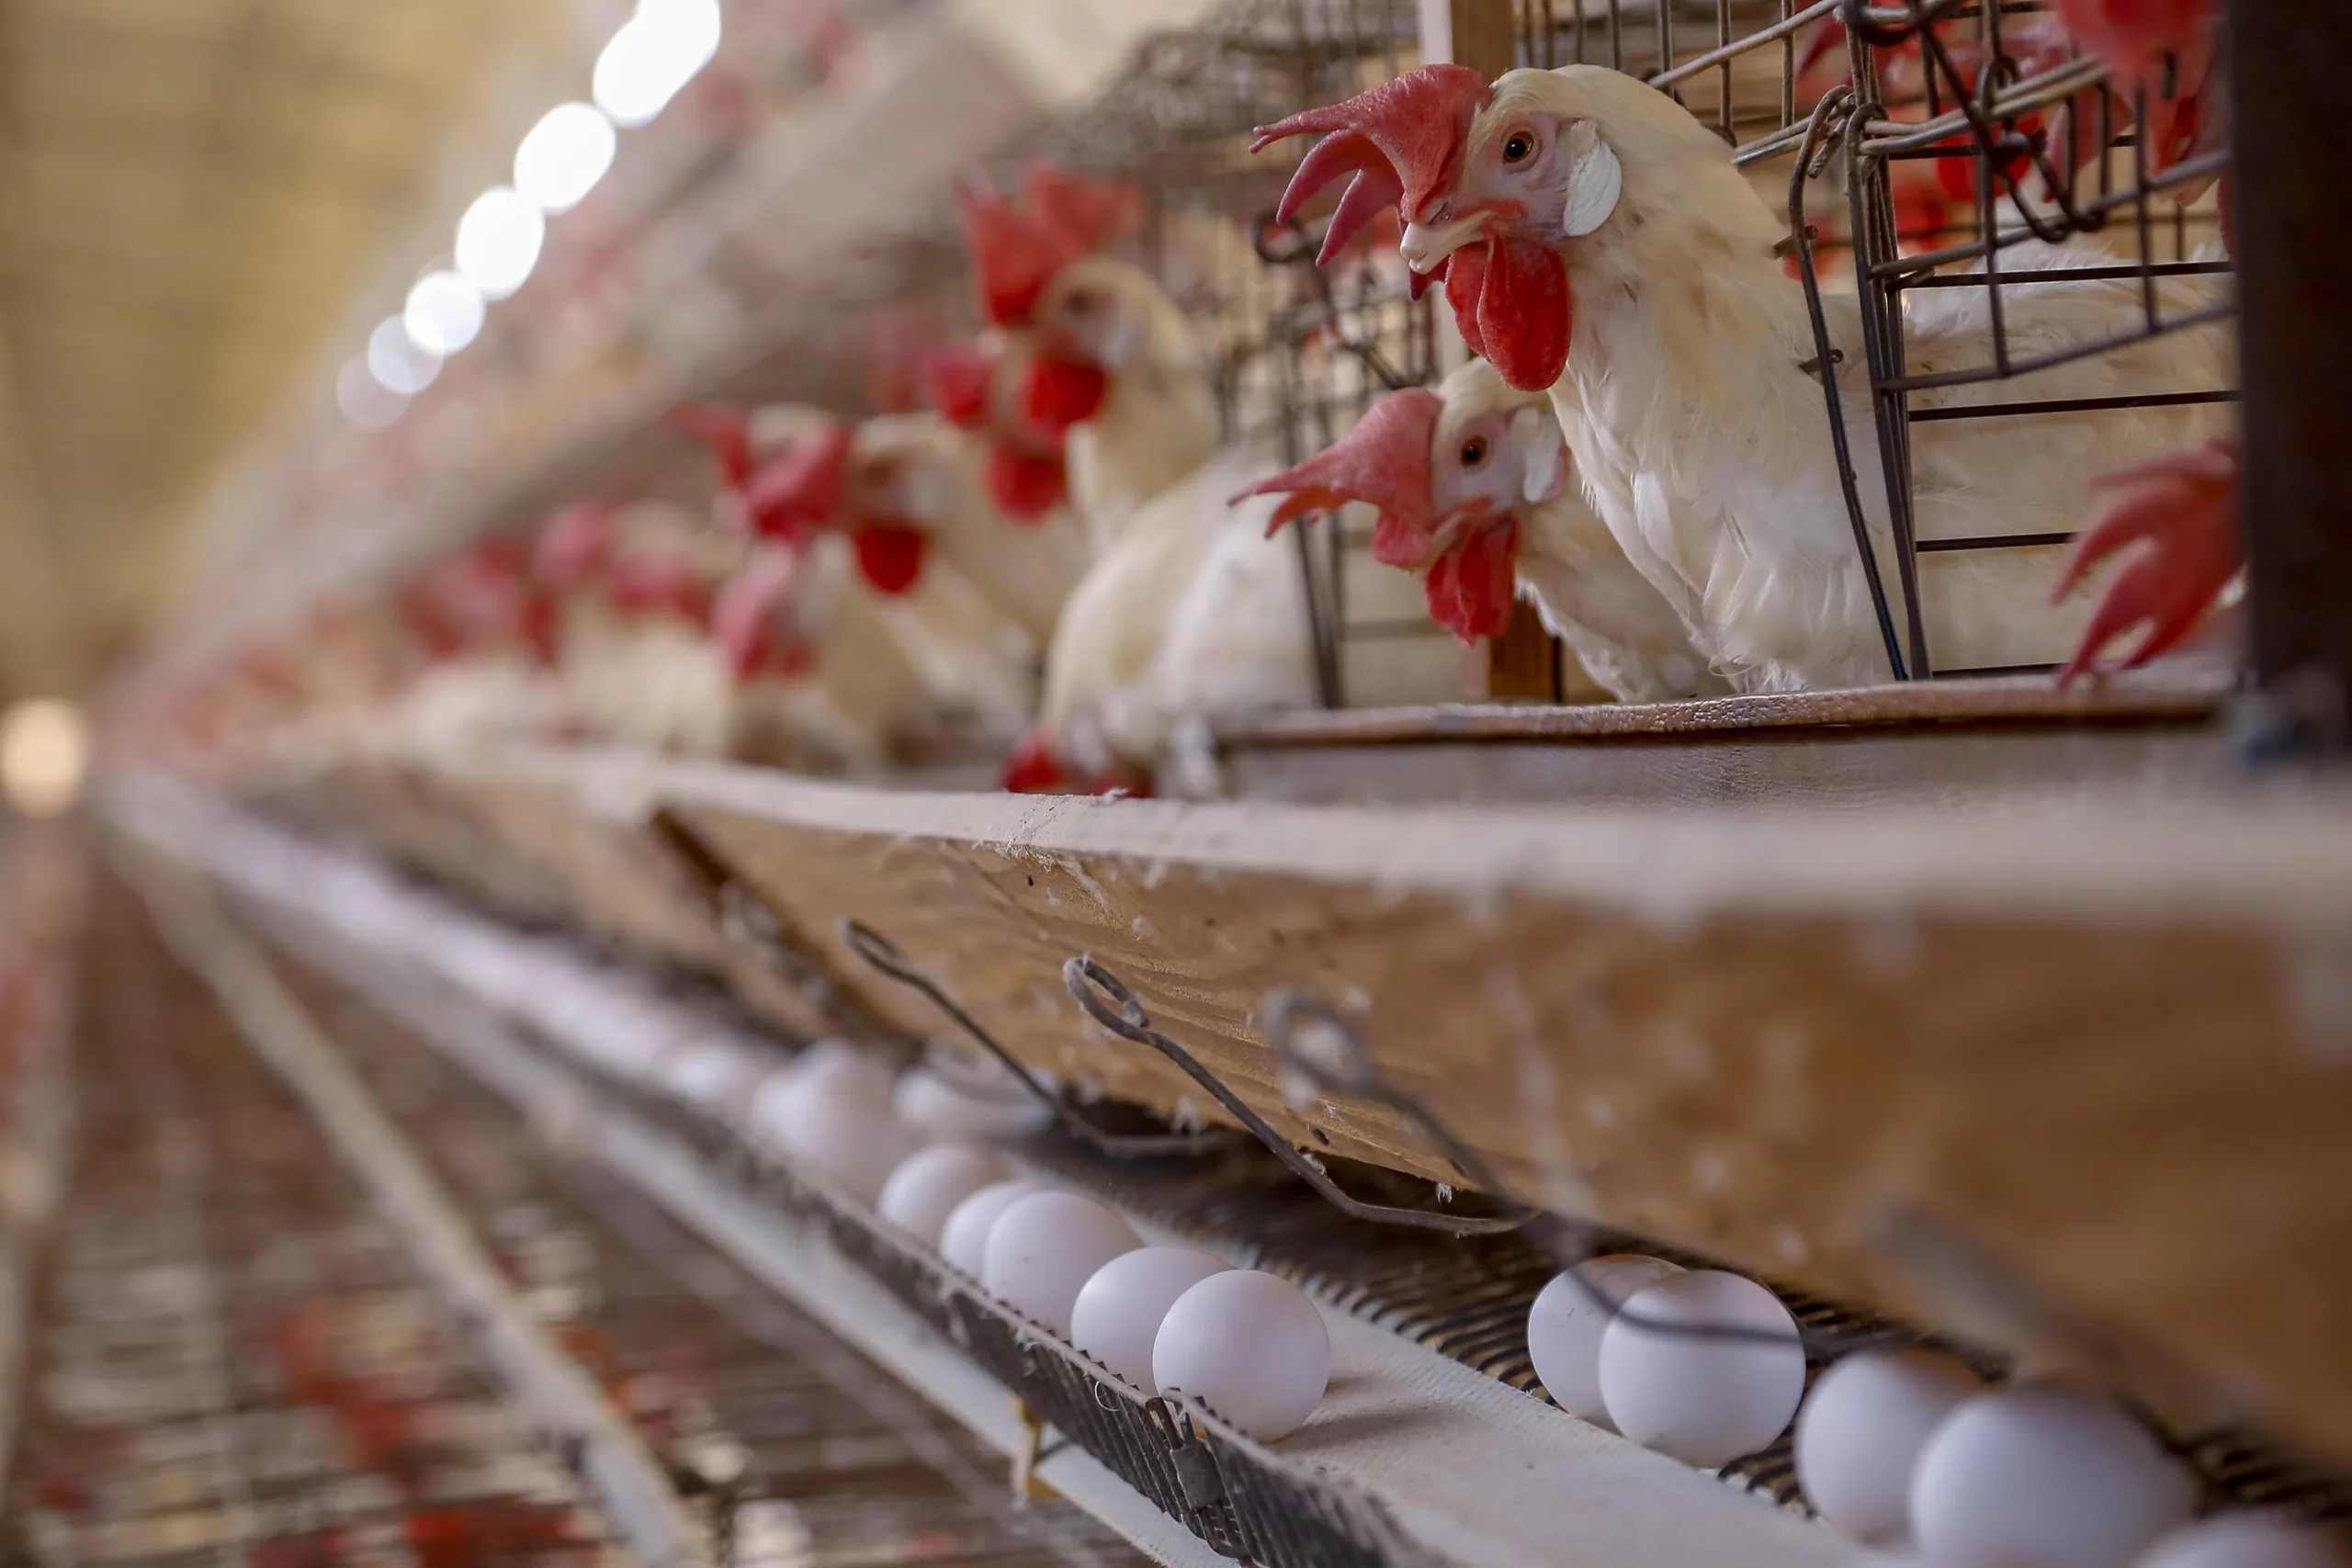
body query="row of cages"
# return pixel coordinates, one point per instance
(1941, 163)
(1945, 146)
(1915, 147)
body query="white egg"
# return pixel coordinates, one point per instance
(1043, 1249)
(1703, 1401)
(2246, 1541)
(963, 1239)
(1564, 1327)
(831, 1058)
(927, 1188)
(2043, 1475)
(713, 1072)
(1249, 1346)
(1860, 1430)
(837, 1125)
(947, 1108)
(1119, 1312)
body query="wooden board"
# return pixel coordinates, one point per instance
(2078, 1072)
(1957, 745)
(1959, 770)
(2168, 698)
(593, 836)
(2079, 1077)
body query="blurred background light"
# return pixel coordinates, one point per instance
(44, 751)
(396, 360)
(444, 315)
(660, 49)
(564, 156)
(499, 240)
(365, 401)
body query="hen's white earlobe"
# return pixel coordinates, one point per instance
(1594, 185)
(1537, 432)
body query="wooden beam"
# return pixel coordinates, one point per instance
(1525, 662)
(1483, 35)
(2021, 1073)
(2289, 65)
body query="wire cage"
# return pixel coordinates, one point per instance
(1948, 133)
(1296, 354)
(1915, 146)
(2052, 148)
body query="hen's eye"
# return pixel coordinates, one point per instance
(1520, 145)
(1474, 452)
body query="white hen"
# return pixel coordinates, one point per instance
(1195, 615)
(920, 470)
(1474, 493)
(1599, 242)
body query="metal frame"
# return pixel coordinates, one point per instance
(2290, 64)
(1982, 121)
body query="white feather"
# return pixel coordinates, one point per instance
(1195, 615)
(1708, 449)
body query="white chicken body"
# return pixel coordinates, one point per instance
(1157, 422)
(1027, 569)
(1707, 448)
(1569, 564)
(1196, 614)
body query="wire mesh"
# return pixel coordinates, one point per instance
(1966, 131)
(2026, 144)
(1296, 354)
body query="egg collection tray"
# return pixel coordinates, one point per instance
(237, 1354)
(867, 1467)
(1243, 1500)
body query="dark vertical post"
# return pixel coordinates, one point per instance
(2291, 77)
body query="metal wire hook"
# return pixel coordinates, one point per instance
(1316, 1042)
(883, 956)
(1303, 249)
(1835, 119)
(1123, 1015)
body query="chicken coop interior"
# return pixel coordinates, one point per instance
(1323, 784)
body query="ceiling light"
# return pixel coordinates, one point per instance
(44, 751)
(499, 241)
(396, 360)
(660, 49)
(564, 156)
(365, 401)
(444, 315)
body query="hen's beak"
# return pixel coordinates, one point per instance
(1424, 246)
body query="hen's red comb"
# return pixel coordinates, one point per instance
(1015, 253)
(1094, 212)
(1384, 461)
(1059, 393)
(658, 583)
(726, 431)
(800, 491)
(1032, 769)
(2133, 35)
(957, 381)
(1026, 485)
(573, 544)
(1403, 140)
(745, 621)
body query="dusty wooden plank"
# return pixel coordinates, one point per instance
(2105, 1066)
(1958, 768)
(2098, 1056)
(1986, 704)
